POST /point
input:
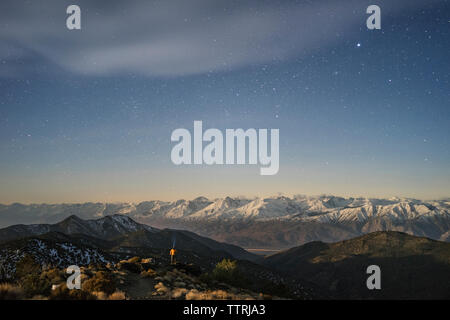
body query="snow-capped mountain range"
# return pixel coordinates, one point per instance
(347, 217)
(319, 209)
(304, 208)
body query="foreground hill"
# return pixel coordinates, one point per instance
(119, 231)
(273, 222)
(411, 267)
(102, 245)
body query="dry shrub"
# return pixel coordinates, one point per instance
(179, 293)
(134, 260)
(150, 273)
(215, 295)
(161, 288)
(63, 293)
(10, 292)
(102, 281)
(100, 295)
(118, 295)
(54, 275)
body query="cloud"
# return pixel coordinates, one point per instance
(171, 38)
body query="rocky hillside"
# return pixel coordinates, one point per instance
(36, 264)
(121, 232)
(411, 267)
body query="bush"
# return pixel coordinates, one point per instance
(54, 275)
(150, 273)
(35, 284)
(29, 278)
(63, 293)
(134, 260)
(100, 295)
(227, 271)
(214, 295)
(102, 281)
(147, 260)
(26, 266)
(118, 295)
(10, 292)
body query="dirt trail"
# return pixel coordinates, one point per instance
(137, 287)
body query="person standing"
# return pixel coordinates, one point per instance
(172, 256)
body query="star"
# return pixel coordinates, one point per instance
(358, 44)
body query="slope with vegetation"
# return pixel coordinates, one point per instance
(411, 267)
(138, 278)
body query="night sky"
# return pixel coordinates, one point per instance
(86, 115)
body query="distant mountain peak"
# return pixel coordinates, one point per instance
(73, 217)
(110, 226)
(117, 230)
(201, 199)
